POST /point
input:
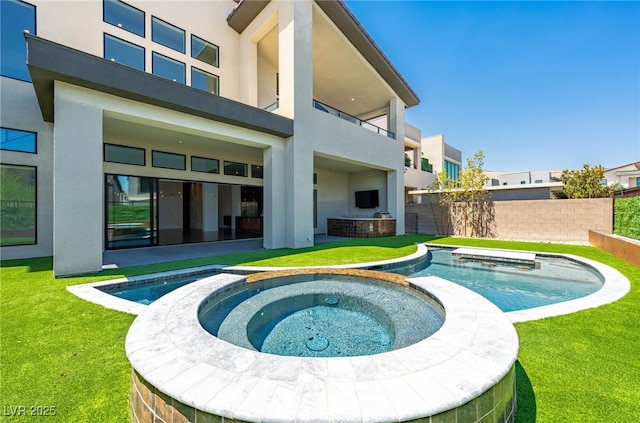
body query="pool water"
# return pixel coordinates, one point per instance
(510, 287)
(147, 292)
(322, 316)
(515, 287)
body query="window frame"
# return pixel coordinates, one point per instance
(104, 51)
(184, 159)
(119, 25)
(217, 62)
(155, 19)
(261, 176)
(35, 204)
(155, 54)
(104, 154)
(246, 169)
(35, 141)
(202, 171)
(35, 31)
(217, 78)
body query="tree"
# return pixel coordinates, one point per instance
(443, 187)
(464, 199)
(472, 194)
(585, 183)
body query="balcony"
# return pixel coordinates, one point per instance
(342, 115)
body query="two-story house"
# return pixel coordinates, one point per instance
(135, 123)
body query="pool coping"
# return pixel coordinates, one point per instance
(475, 348)
(615, 284)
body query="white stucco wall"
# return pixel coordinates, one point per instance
(19, 110)
(78, 182)
(62, 24)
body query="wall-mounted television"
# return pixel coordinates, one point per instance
(367, 199)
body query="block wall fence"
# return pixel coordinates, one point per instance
(528, 220)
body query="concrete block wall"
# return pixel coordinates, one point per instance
(532, 220)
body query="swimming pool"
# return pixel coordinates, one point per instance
(513, 286)
(510, 286)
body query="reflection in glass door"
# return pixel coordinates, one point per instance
(131, 210)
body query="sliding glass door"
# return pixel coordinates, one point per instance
(131, 204)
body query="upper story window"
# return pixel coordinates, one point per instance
(169, 68)
(15, 18)
(205, 81)
(452, 170)
(16, 140)
(124, 52)
(204, 51)
(120, 14)
(167, 35)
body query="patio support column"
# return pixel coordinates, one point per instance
(78, 227)
(296, 97)
(395, 178)
(274, 195)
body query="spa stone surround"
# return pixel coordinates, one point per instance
(464, 371)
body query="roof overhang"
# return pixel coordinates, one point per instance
(48, 62)
(246, 11)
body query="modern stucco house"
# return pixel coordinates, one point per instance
(148, 123)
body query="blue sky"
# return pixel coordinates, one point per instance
(535, 85)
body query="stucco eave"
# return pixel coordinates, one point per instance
(246, 11)
(338, 12)
(48, 62)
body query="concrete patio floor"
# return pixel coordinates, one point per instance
(113, 259)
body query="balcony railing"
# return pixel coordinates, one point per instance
(342, 115)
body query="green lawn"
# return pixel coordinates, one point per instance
(58, 350)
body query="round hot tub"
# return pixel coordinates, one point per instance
(322, 315)
(364, 346)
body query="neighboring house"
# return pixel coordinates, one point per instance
(426, 158)
(527, 185)
(628, 176)
(522, 178)
(418, 171)
(442, 156)
(146, 123)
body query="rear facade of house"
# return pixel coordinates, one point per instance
(136, 124)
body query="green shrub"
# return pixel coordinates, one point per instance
(627, 217)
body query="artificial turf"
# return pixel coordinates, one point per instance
(57, 350)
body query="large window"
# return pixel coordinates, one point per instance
(16, 140)
(15, 18)
(168, 68)
(131, 211)
(123, 16)
(167, 35)
(17, 205)
(204, 81)
(124, 52)
(204, 51)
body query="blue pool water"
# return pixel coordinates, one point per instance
(509, 287)
(313, 315)
(513, 287)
